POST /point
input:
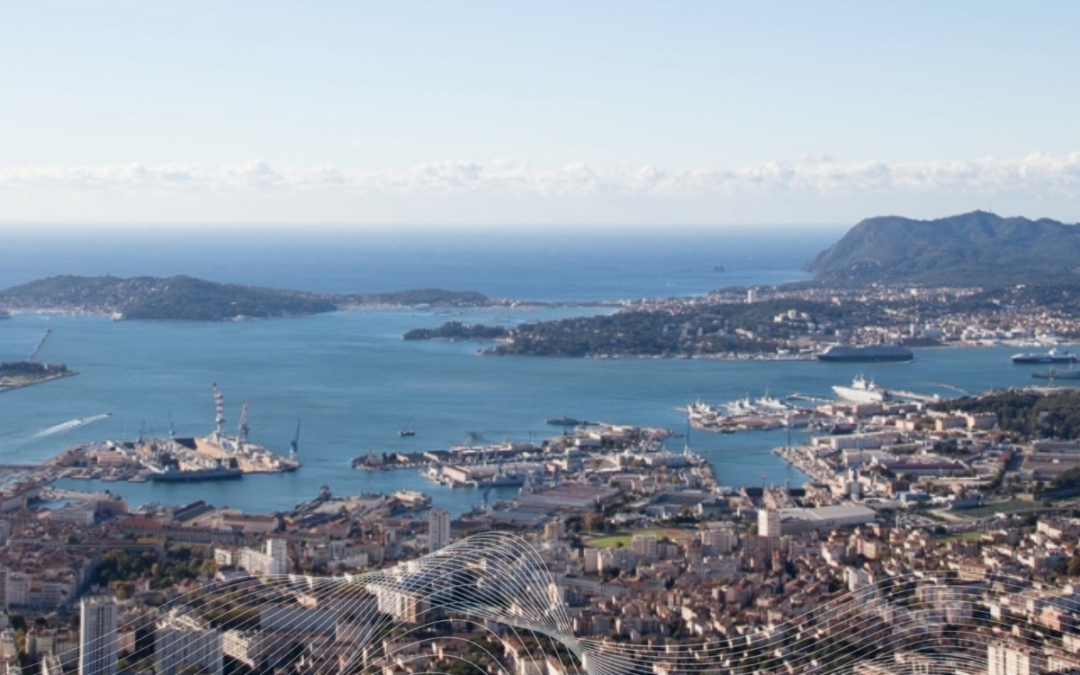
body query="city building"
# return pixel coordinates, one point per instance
(97, 636)
(1008, 659)
(182, 642)
(438, 529)
(273, 559)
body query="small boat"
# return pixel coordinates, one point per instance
(564, 422)
(407, 431)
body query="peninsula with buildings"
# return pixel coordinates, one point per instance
(886, 281)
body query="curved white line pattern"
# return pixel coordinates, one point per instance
(395, 620)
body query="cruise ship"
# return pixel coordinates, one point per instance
(1052, 356)
(866, 353)
(862, 391)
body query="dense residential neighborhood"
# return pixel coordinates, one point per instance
(642, 545)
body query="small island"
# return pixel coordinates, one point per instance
(456, 330)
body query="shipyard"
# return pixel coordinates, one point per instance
(174, 459)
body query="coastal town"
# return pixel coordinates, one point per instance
(796, 322)
(644, 547)
(558, 338)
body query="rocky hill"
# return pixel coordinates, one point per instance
(972, 249)
(184, 298)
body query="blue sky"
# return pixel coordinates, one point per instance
(510, 113)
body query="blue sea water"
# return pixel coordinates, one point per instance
(353, 382)
(558, 265)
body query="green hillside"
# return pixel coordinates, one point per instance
(972, 249)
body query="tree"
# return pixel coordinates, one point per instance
(594, 522)
(123, 589)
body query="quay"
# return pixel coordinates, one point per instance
(217, 456)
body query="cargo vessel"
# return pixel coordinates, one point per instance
(866, 353)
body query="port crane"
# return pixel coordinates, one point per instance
(40, 344)
(294, 446)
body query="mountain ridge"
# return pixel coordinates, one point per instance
(970, 249)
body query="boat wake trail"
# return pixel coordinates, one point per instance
(949, 386)
(70, 424)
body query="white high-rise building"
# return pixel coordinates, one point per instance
(768, 523)
(278, 550)
(97, 636)
(438, 529)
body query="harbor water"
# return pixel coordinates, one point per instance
(354, 383)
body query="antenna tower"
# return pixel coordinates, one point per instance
(242, 429)
(219, 412)
(294, 446)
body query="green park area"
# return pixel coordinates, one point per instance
(963, 536)
(624, 538)
(1012, 506)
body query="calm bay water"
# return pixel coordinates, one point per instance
(353, 382)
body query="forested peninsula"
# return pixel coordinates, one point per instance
(184, 298)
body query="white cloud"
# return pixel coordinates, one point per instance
(1036, 173)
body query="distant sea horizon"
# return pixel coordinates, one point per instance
(559, 264)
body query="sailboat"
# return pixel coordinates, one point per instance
(407, 431)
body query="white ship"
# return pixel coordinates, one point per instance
(770, 403)
(699, 409)
(862, 391)
(413, 499)
(742, 407)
